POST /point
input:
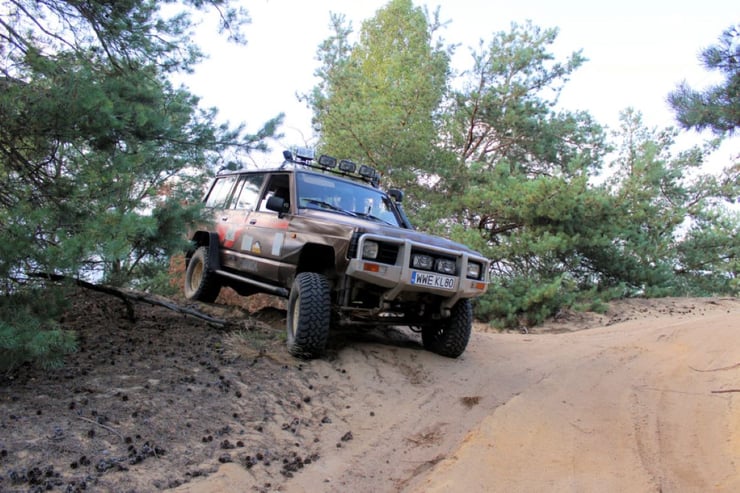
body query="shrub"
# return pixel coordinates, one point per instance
(29, 331)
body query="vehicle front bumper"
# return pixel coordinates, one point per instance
(401, 278)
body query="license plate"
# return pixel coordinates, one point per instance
(433, 280)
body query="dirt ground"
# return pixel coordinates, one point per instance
(642, 398)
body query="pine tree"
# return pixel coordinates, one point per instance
(377, 98)
(492, 162)
(717, 107)
(93, 135)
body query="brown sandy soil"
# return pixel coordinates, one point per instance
(645, 400)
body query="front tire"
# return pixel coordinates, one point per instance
(201, 283)
(309, 315)
(450, 336)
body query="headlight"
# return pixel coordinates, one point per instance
(445, 266)
(419, 261)
(473, 270)
(370, 250)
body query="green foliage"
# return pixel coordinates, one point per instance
(377, 99)
(504, 107)
(524, 302)
(491, 163)
(709, 255)
(520, 191)
(28, 331)
(672, 220)
(717, 107)
(99, 150)
(99, 153)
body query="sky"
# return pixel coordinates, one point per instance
(637, 52)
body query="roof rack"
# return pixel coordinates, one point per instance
(344, 167)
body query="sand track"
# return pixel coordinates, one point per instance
(647, 401)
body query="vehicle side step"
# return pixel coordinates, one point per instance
(276, 290)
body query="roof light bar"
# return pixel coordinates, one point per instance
(304, 155)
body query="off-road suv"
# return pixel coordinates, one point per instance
(342, 251)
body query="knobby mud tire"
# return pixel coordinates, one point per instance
(309, 315)
(449, 337)
(201, 283)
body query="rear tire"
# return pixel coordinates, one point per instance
(201, 283)
(449, 337)
(309, 315)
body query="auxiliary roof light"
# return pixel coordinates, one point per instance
(347, 166)
(328, 162)
(367, 172)
(305, 153)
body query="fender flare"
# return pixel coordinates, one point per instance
(213, 256)
(210, 240)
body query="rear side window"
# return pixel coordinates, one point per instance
(248, 191)
(220, 192)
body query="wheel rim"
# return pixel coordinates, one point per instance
(197, 274)
(295, 314)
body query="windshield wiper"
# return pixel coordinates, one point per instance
(329, 206)
(371, 217)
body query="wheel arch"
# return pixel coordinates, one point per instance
(209, 239)
(317, 258)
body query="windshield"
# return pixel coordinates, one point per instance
(343, 197)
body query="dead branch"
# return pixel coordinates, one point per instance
(127, 296)
(159, 301)
(102, 426)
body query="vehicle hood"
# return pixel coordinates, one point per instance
(375, 227)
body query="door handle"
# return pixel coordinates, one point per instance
(252, 221)
(225, 218)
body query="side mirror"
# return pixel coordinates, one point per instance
(396, 194)
(278, 204)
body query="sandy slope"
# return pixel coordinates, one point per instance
(649, 401)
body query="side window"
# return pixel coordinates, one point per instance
(248, 191)
(220, 192)
(278, 186)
